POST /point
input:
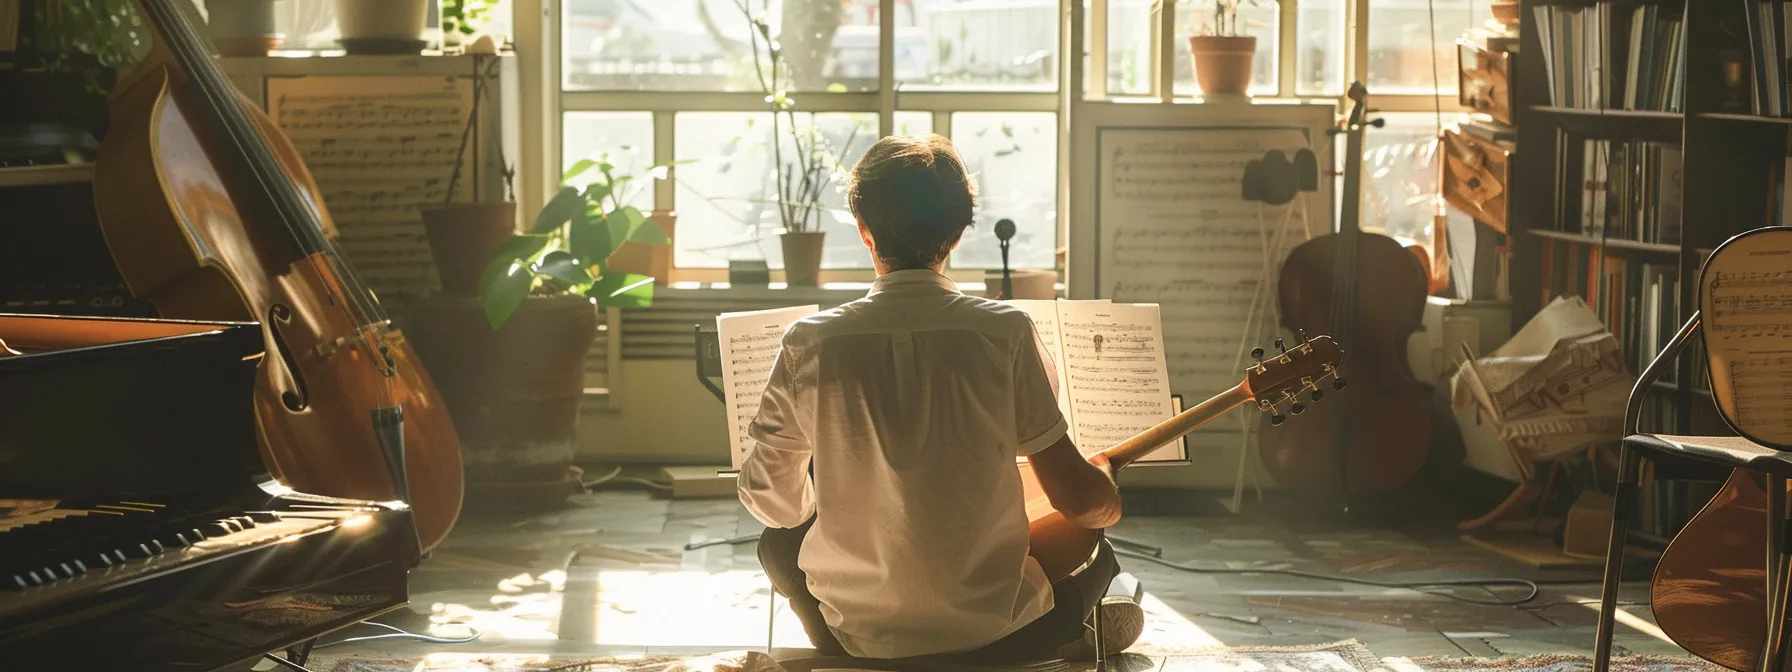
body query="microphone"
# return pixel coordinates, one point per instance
(1005, 233)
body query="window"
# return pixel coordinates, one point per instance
(653, 81)
(675, 80)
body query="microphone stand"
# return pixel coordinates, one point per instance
(1005, 233)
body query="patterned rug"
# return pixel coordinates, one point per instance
(1345, 656)
(1549, 663)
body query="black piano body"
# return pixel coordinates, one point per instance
(139, 526)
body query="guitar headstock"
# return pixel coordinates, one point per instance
(1277, 382)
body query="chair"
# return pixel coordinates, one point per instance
(709, 372)
(1744, 315)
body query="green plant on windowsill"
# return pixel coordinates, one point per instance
(91, 38)
(462, 19)
(566, 250)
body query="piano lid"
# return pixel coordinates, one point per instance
(101, 406)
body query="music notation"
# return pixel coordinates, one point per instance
(381, 149)
(750, 343)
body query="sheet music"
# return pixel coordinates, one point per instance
(1117, 383)
(1045, 320)
(1174, 229)
(750, 342)
(381, 149)
(1749, 316)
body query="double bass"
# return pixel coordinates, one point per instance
(210, 214)
(1369, 293)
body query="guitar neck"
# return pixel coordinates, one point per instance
(1143, 443)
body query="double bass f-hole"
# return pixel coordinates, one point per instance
(295, 397)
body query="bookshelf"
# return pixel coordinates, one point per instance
(1641, 266)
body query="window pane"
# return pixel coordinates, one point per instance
(1400, 48)
(1400, 177)
(1319, 56)
(706, 45)
(913, 123)
(1013, 156)
(977, 44)
(1129, 47)
(1261, 20)
(624, 139)
(727, 199)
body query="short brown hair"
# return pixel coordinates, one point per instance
(915, 197)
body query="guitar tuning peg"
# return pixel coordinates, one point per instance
(1297, 408)
(1301, 334)
(1276, 419)
(1281, 346)
(1338, 384)
(1318, 394)
(1257, 353)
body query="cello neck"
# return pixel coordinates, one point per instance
(1350, 214)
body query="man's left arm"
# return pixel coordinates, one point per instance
(774, 479)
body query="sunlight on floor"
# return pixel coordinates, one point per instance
(1623, 617)
(684, 608)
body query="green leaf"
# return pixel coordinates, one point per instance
(562, 266)
(836, 87)
(556, 213)
(505, 284)
(622, 225)
(648, 232)
(622, 290)
(577, 169)
(591, 240)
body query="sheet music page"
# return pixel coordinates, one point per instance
(381, 148)
(1045, 320)
(750, 342)
(1175, 230)
(1117, 382)
(1748, 317)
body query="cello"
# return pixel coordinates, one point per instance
(210, 214)
(1369, 293)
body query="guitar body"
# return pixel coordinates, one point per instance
(1709, 591)
(1059, 546)
(194, 234)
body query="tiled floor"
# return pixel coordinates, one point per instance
(609, 575)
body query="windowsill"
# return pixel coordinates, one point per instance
(832, 290)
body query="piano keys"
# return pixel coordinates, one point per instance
(136, 509)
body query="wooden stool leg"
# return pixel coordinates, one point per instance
(771, 617)
(1628, 460)
(1773, 650)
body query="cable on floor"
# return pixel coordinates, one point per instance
(400, 633)
(616, 476)
(606, 478)
(1416, 586)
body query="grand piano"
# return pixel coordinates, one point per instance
(140, 528)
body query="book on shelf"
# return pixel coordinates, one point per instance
(1630, 190)
(1766, 26)
(1613, 55)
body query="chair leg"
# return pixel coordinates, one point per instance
(1773, 649)
(771, 616)
(1628, 460)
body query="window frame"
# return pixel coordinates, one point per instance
(537, 31)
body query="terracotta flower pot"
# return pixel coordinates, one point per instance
(242, 27)
(381, 26)
(650, 260)
(1223, 64)
(802, 257)
(462, 239)
(514, 393)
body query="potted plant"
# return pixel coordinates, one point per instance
(462, 20)
(382, 26)
(805, 169)
(510, 362)
(1222, 56)
(463, 236)
(91, 39)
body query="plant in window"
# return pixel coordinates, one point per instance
(1222, 56)
(462, 19)
(566, 251)
(90, 38)
(810, 166)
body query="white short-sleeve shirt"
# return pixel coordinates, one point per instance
(912, 404)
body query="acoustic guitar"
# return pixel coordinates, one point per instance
(1274, 384)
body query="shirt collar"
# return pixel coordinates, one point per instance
(914, 277)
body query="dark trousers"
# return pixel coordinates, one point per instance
(1073, 597)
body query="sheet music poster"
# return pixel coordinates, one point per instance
(381, 148)
(1172, 228)
(1746, 303)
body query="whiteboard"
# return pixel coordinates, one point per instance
(1172, 227)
